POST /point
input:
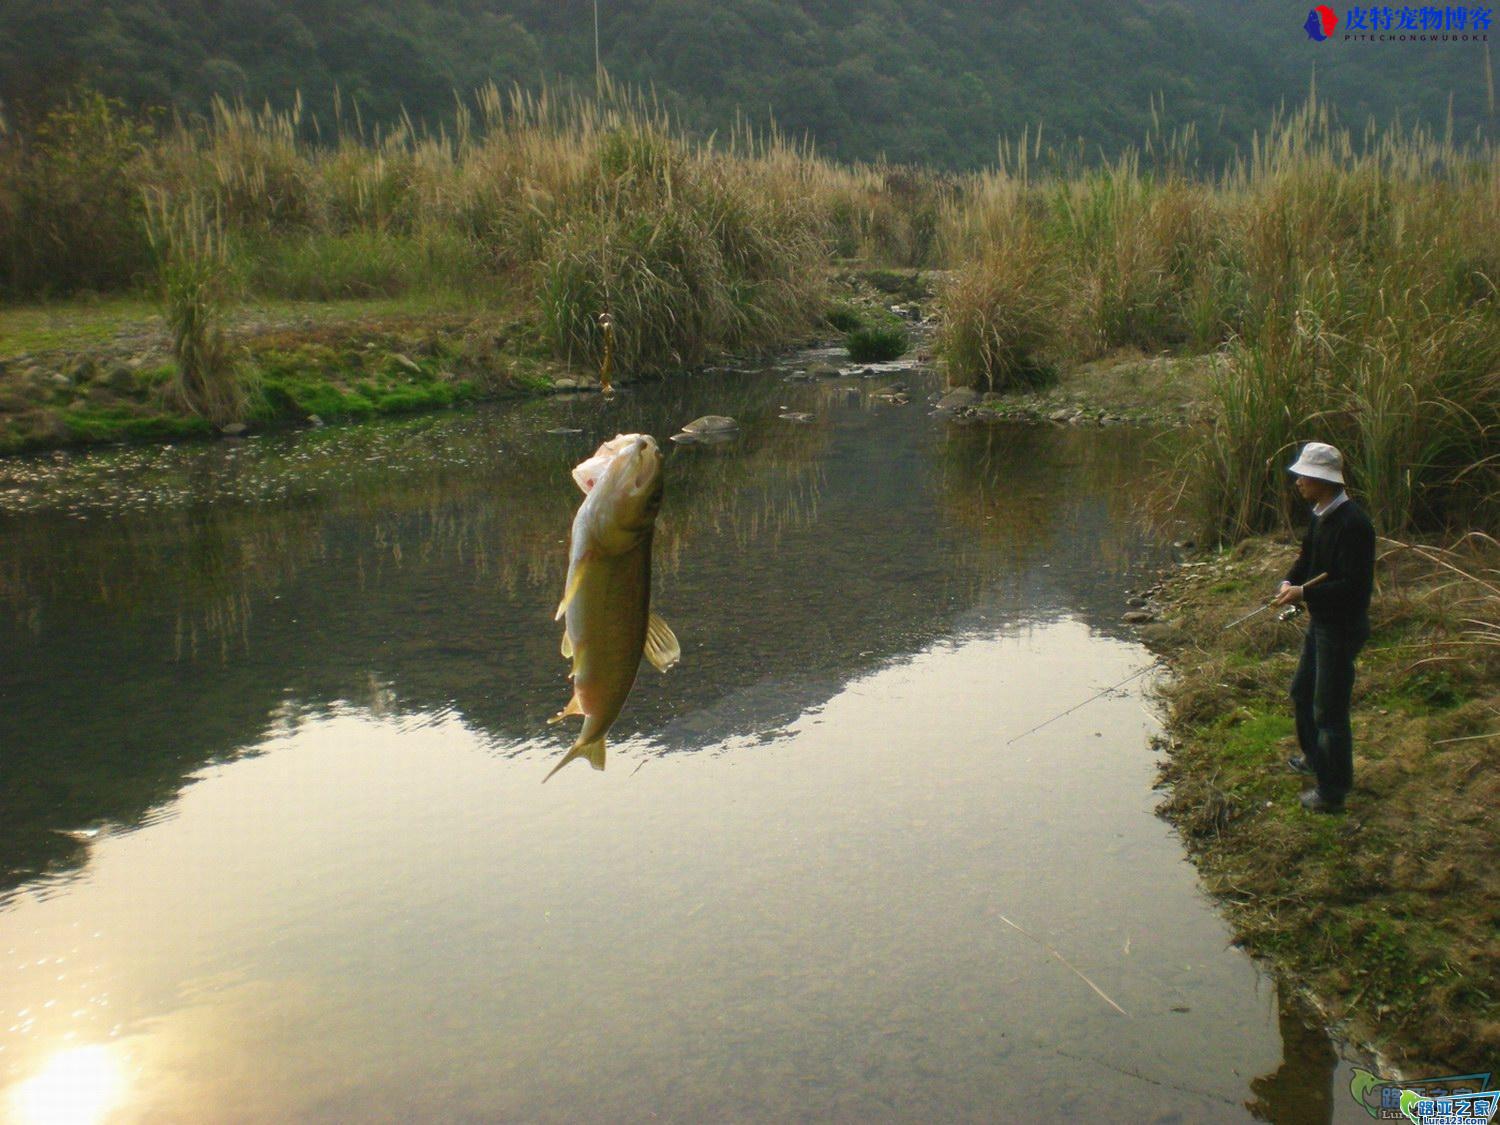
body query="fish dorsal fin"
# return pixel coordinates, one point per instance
(575, 579)
(567, 646)
(662, 648)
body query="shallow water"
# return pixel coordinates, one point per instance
(275, 846)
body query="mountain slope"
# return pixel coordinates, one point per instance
(935, 81)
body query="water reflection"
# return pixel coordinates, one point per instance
(320, 668)
(214, 593)
(1301, 1090)
(76, 1086)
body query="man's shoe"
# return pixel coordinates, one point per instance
(1299, 764)
(1313, 801)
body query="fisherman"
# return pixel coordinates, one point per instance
(1340, 543)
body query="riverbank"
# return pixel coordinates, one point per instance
(1386, 915)
(82, 372)
(1126, 386)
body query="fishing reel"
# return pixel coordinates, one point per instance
(1289, 612)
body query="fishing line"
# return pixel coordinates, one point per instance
(1157, 663)
(604, 320)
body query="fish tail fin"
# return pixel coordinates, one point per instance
(593, 751)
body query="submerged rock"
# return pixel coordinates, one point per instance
(795, 416)
(711, 424)
(823, 371)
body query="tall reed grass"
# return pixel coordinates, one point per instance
(1348, 281)
(188, 236)
(580, 204)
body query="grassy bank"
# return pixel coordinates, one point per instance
(1389, 913)
(77, 373)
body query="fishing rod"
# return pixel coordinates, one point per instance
(1308, 585)
(1142, 671)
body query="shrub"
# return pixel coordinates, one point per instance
(877, 343)
(70, 205)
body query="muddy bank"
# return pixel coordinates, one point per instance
(1386, 915)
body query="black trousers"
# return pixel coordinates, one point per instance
(1321, 691)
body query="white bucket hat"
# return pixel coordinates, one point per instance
(1321, 461)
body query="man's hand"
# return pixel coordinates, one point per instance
(1287, 594)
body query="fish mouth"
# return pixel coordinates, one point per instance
(637, 465)
(629, 461)
(647, 467)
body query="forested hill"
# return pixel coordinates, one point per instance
(934, 81)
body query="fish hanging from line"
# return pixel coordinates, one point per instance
(606, 604)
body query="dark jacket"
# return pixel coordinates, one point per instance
(1341, 544)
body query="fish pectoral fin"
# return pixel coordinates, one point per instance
(567, 646)
(575, 579)
(593, 751)
(662, 648)
(573, 708)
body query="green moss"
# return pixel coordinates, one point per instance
(117, 423)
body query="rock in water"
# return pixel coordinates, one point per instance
(711, 424)
(708, 430)
(958, 399)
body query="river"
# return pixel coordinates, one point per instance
(275, 846)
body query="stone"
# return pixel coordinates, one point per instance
(958, 399)
(80, 369)
(407, 362)
(234, 429)
(314, 420)
(1060, 416)
(119, 378)
(565, 384)
(1138, 617)
(711, 424)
